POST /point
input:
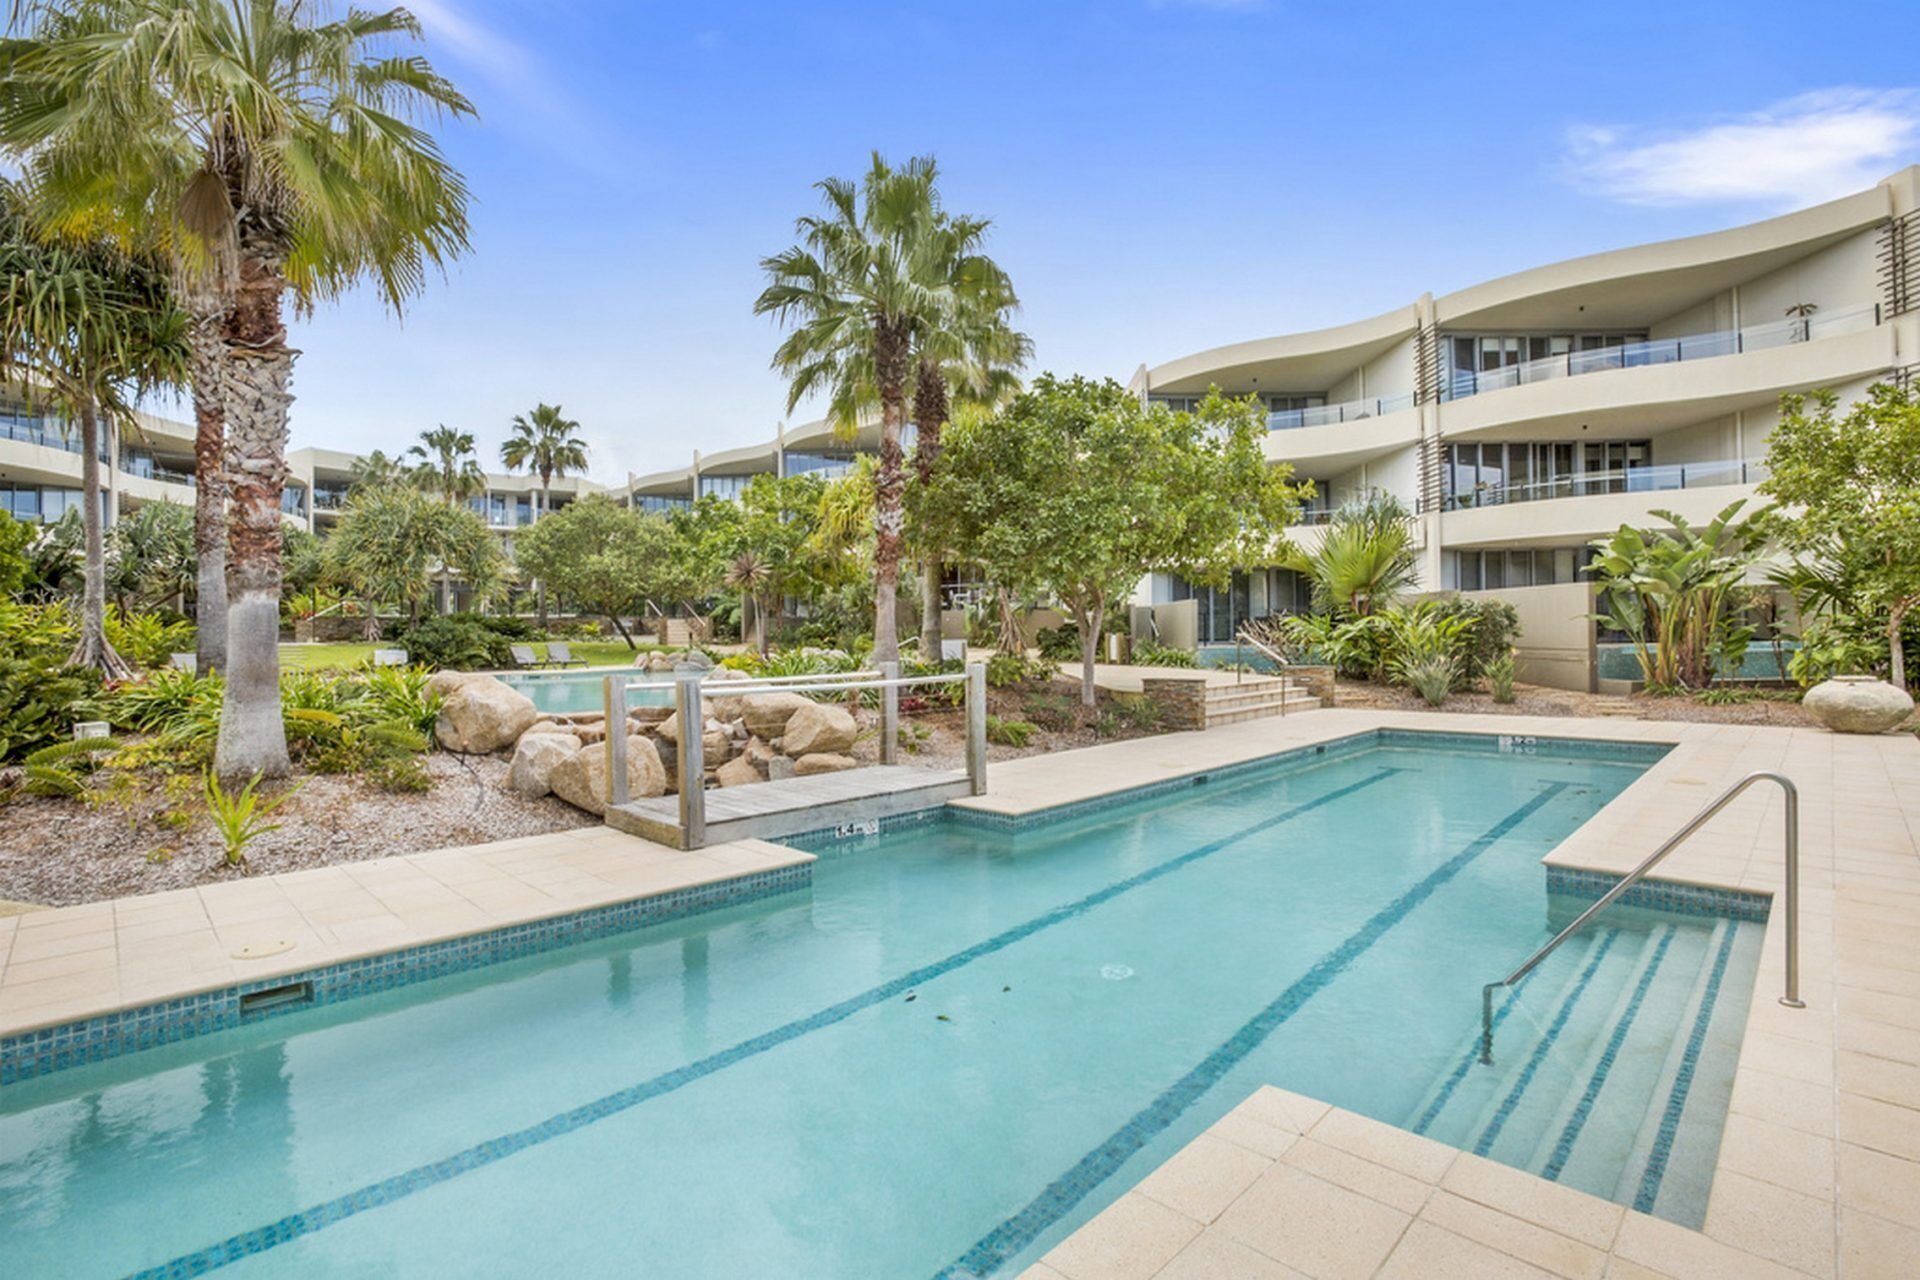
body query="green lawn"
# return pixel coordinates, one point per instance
(320, 656)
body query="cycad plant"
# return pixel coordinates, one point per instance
(271, 150)
(1365, 560)
(1669, 591)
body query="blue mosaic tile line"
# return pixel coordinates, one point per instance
(398, 1187)
(1542, 1047)
(1467, 1060)
(1005, 1241)
(36, 1053)
(1663, 895)
(1656, 1170)
(1570, 1134)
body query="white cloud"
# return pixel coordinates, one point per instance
(1798, 152)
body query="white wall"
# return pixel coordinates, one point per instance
(1838, 277)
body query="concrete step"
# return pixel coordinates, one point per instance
(1293, 707)
(1256, 698)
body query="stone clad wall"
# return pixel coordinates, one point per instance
(1182, 700)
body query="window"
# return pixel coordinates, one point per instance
(1505, 570)
(827, 464)
(728, 487)
(660, 504)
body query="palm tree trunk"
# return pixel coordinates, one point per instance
(539, 587)
(254, 378)
(209, 485)
(890, 354)
(93, 649)
(929, 416)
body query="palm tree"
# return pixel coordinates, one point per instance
(90, 330)
(857, 288)
(751, 575)
(546, 443)
(274, 153)
(968, 353)
(448, 467)
(376, 470)
(1366, 559)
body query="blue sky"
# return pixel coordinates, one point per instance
(1163, 177)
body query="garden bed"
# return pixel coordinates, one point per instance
(1774, 708)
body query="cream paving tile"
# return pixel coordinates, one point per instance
(1790, 1158)
(1872, 1247)
(1343, 1169)
(1213, 1256)
(1881, 1126)
(1794, 1230)
(1673, 1250)
(1408, 1153)
(1533, 1244)
(1571, 1213)
(1313, 1226)
(1881, 1184)
(1204, 1177)
(1131, 1239)
(1781, 1100)
(1429, 1252)
(1881, 1078)
(1255, 1135)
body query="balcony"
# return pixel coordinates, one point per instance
(1462, 383)
(328, 499)
(145, 466)
(1326, 415)
(1660, 479)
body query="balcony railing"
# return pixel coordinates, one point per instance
(329, 499)
(146, 467)
(1314, 515)
(1684, 475)
(1323, 415)
(1461, 383)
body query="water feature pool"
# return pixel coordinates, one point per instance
(564, 692)
(961, 1043)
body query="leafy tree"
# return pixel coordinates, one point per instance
(856, 288)
(278, 153)
(391, 539)
(600, 555)
(1365, 560)
(1076, 491)
(1852, 485)
(88, 329)
(304, 567)
(1669, 590)
(547, 443)
(967, 352)
(150, 555)
(16, 559)
(56, 558)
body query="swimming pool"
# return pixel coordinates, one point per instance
(959, 1045)
(564, 692)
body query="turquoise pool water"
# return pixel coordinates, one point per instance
(568, 691)
(957, 1046)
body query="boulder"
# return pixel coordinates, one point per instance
(725, 706)
(649, 716)
(546, 727)
(758, 752)
(737, 772)
(822, 762)
(657, 661)
(693, 660)
(779, 767)
(1858, 704)
(483, 715)
(591, 732)
(445, 682)
(715, 745)
(536, 757)
(766, 714)
(819, 729)
(581, 779)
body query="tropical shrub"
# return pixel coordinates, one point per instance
(1431, 675)
(399, 695)
(40, 695)
(463, 641)
(240, 817)
(1669, 591)
(1422, 636)
(1010, 732)
(1364, 561)
(1062, 644)
(1493, 627)
(16, 562)
(1157, 655)
(61, 768)
(1500, 673)
(149, 639)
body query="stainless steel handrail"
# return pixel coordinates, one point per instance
(1792, 997)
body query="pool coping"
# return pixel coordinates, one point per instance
(1819, 1173)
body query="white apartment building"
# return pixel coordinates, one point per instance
(1523, 417)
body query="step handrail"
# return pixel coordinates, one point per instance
(1792, 997)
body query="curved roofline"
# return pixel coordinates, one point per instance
(1808, 227)
(1385, 328)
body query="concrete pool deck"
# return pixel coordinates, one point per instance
(1818, 1173)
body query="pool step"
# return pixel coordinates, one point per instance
(1595, 1055)
(1255, 696)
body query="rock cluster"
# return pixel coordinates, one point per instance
(747, 738)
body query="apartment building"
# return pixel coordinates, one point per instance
(1523, 417)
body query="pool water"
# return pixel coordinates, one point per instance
(566, 692)
(959, 1045)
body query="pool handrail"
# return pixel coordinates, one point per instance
(1792, 830)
